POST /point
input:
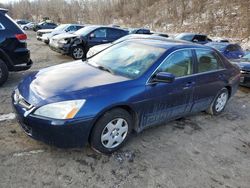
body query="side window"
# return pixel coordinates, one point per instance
(179, 63)
(114, 33)
(208, 60)
(100, 33)
(1, 26)
(78, 27)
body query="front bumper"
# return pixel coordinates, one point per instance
(60, 133)
(62, 49)
(245, 78)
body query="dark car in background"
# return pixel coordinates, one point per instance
(139, 31)
(244, 64)
(14, 55)
(229, 50)
(133, 85)
(77, 44)
(192, 37)
(44, 25)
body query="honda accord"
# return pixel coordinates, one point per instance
(130, 86)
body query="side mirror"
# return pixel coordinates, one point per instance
(92, 35)
(163, 77)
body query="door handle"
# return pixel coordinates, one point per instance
(188, 85)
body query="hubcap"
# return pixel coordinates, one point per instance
(78, 53)
(114, 133)
(221, 102)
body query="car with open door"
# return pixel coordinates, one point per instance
(131, 86)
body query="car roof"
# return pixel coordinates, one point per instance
(168, 43)
(2, 10)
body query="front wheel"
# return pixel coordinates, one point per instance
(111, 131)
(219, 102)
(77, 52)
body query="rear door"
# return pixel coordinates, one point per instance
(210, 78)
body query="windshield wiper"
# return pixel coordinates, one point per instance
(105, 69)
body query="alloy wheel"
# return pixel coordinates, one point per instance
(221, 102)
(78, 53)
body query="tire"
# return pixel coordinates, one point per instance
(111, 131)
(4, 72)
(77, 52)
(25, 28)
(219, 102)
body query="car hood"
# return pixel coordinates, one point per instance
(63, 80)
(64, 36)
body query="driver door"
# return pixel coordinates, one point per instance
(167, 101)
(99, 36)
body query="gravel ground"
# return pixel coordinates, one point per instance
(196, 151)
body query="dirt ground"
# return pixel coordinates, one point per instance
(198, 151)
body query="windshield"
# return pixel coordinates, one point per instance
(128, 59)
(84, 31)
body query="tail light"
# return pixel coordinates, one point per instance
(21, 37)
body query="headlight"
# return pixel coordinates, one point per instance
(61, 110)
(63, 41)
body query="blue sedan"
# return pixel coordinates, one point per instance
(130, 86)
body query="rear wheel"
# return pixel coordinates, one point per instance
(77, 52)
(219, 102)
(25, 28)
(111, 131)
(4, 73)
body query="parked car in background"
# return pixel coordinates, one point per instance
(44, 25)
(22, 22)
(139, 31)
(41, 32)
(160, 34)
(96, 49)
(14, 55)
(244, 64)
(133, 85)
(77, 44)
(229, 50)
(192, 37)
(63, 28)
(28, 26)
